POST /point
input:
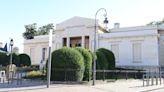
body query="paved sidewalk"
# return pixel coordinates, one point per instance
(118, 86)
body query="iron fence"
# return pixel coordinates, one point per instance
(119, 74)
(66, 74)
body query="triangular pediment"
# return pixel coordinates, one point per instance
(75, 21)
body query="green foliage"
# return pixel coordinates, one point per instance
(26, 69)
(18, 60)
(109, 56)
(3, 59)
(101, 62)
(44, 30)
(66, 59)
(35, 74)
(156, 22)
(24, 60)
(91, 54)
(87, 62)
(15, 59)
(30, 31)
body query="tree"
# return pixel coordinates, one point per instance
(44, 30)
(156, 22)
(31, 31)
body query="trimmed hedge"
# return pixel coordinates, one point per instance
(24, 60)
(67, 62)
(3, 59)
(15, 59)
(91, 54)
(109, 56)
(18, 60)
(87, 62)
(101, 61)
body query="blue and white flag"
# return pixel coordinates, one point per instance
(4, 49)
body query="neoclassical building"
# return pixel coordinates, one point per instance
(132, 46)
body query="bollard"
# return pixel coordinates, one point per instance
(147, 79)
(126, 75)
(156, 79)
(135, 75)
(21, 79)
(163, 78)
(115, 75)
(143, 78)
(17, 79)
(103, 75)
(160, 78)
(152, 79)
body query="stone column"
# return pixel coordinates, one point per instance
(83, 42)
(68, 41)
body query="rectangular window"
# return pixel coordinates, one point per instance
(44, 54)
(136, 52)
(32, 54)
(87, 42)
(64, 42)
(115, 50)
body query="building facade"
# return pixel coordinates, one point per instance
(132, 46)
(1, 44)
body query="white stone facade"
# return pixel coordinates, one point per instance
(133, 46)
(125, 38)
(1, 44)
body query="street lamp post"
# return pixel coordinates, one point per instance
(94, 50)
(49, 60)
(11, 48)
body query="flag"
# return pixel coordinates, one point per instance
(5, 48)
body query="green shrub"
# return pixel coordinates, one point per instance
(26, 69)
(3, 59)
(24, 60)
(15, 59)
(101, 61)
(65, 59)
(87, 62)
(109, 56)
(91, 54)
(35, 75)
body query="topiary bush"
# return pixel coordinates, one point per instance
(109, 56)
(91, 54)
(24, 60)
(15, 59)
(3, 59)
(67, 63)
(101, 61)
(87, 62)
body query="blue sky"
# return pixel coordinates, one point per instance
(14, 14)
